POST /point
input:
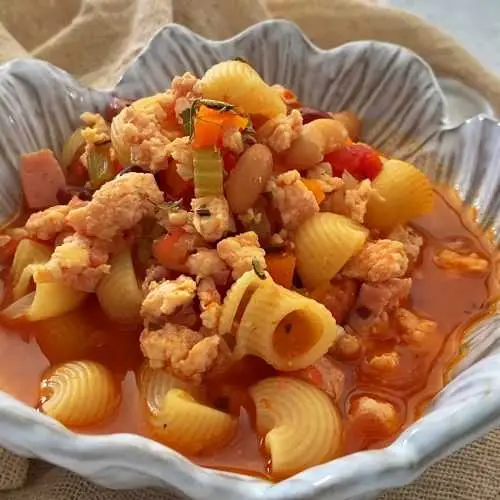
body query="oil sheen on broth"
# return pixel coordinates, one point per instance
(27, 351)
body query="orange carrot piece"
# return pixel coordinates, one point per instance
(281, 268)
(315, 187)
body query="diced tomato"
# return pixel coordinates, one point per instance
(167, 250)
(360, 160)
(229, 159)
(171, 183)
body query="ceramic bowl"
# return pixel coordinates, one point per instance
(405, 114)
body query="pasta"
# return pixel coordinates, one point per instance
(192, 427)
(28, 252)
(118, 292)
(404, 193)
(155, 383)
(80, 393)
(323, 244)
(254, 249)
(301, 425)
(284, 328)
(237, 299)
(238, 83)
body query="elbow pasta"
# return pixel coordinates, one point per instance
(155, 383)
(318, 138)
(191, 427)
(301, 424)
(287, 330)
(404, 192)
(118, 292)
(80, 393)
(323, 244)
(238, 83)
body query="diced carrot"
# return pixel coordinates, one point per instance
(281, 268)
(315, 187)
(167, 251)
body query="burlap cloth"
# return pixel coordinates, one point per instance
(95, 39)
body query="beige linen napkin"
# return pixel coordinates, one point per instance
(95, 39)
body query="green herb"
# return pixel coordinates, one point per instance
(257, 268)
(213, 104)
(203, 212)
(188, 120)
(170, 206)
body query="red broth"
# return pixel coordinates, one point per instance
(454, 301)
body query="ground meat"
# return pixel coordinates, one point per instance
(339, 298)
(117, 206)
(279, 132)
(46, 225)
(347, 345)
(386, 362)
(79, 262)
(165, 298)
(238, 252)
(411, 240)
(293, 200)
(154, 273)
(415, 331)
(188, 354)
(181, 151)
(206, 263)
(375, 416)
(356, 200)
(322, 172)
(375, 300)
(325, 374)
(212, 217)
(210, 303)
(378, 260)
(97, 129)
(184, 85)
(454, 261)
(233, 140)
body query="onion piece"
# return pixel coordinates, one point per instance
(74, 145)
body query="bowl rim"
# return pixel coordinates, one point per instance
(393, 466)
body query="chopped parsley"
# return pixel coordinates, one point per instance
(257, 268)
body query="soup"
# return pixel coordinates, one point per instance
(276, 296)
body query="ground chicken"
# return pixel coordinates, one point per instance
(97, 129)
(385, 362)
(212, 217)
(375, 300)
(167, 297)
(47, 224)
(322, 172)
(356, 200)
(454, 261)
(117, 206)
(181, 151)
(338, 297)
(210, 303)
(233, 140)
(239, 252)
(411, 240)
(291, 197)
(279, 132)
(325, 374)
(79, 262)
(415, 331)
(378, 260)
(154, 273)
(188, 354)
(206, 263)
(347, 346)
(376, 416)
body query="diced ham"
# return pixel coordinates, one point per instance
(41, 179)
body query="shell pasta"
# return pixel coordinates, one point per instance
(300, 424)
(236, 275)
(80, 393)
(192, 427)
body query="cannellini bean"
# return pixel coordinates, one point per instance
(249, 177)
(317, 138)
(350, 121)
